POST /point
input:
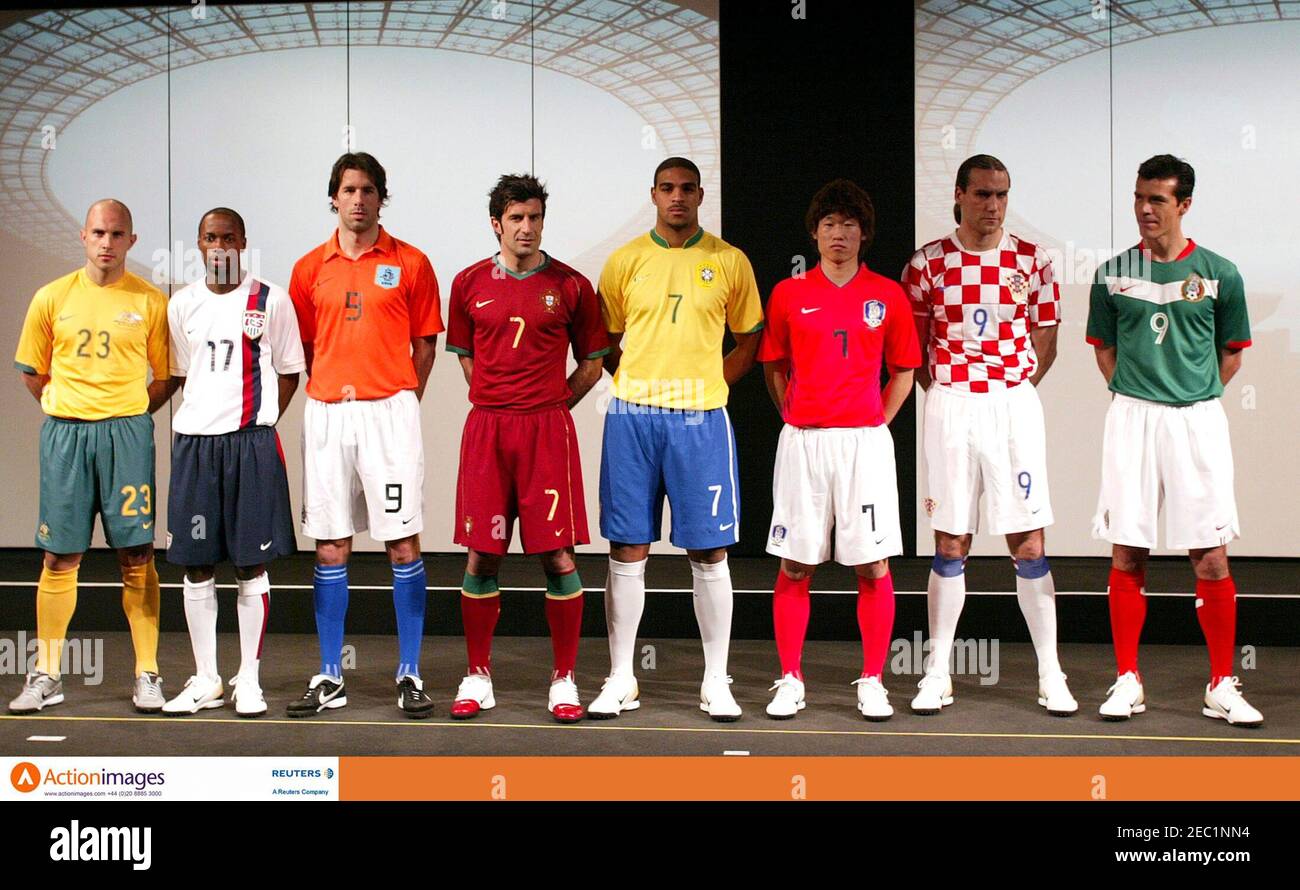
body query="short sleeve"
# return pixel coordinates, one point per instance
(159, 337)
(916, 284)
(1101, 313)
(1231, 321)
(423, 301)
(613, 302)
(300, 292)
(286, 342)
(36, 343)
(775, 346)
(460, 325)
(1044, 293)
(180, 341)
(587, 331)
(744, 303)
(902, 351)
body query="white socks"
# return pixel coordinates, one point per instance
(1037, 598)
(713, 602)
(946, 594)
(624, 603)
(253, 606)
(201, 618)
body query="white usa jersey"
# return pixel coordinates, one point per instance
(229, 348)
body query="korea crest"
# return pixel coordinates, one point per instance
(1018, 284)
(1193, 288)
(254, 323)
(873, 313)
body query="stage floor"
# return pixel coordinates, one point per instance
(1001, 718)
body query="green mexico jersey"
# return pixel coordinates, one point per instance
(1168, 322)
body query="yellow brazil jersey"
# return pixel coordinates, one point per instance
(97, 344)
(671, 305)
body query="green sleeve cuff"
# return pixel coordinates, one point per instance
(459, 351)
(26, 369)
(600, 353)
(755, 329)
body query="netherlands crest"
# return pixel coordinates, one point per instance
(873, 313)
(254, 323)
(388, 277)
(1193, 288)
(1018, 284)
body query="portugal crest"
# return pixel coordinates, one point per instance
(1193, 288)
(550, 300)
(254, 323)
(1018, 284)
(873, 313)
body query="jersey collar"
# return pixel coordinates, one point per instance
(520, 276)
(819, 273)
(384, 244)
(1187, 251)
(690, 242)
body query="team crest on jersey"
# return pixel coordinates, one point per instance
(550, 300)
(778, 534)
(387, 277)
(129, 319)
(1193, 288)
(1018, 284)
(254, 323)
(930, 506)
(706, 274)
(873, 313)
(43, 532)
(469, 525)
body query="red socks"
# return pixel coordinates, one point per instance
(875, 621)
(1128, 610)
(790, 606)
(480, 617)
(1216, 610)
(565, 618)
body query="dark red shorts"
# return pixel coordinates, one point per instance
(525, 466)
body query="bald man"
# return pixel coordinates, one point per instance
(89, 342)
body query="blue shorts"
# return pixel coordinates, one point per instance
(688, 455)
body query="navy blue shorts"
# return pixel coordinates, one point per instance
(689, 456)
(229, 499)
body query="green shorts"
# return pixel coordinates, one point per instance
(96, 466)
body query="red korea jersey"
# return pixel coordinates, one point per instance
(975, 310)
(519, 330)
(836, 339)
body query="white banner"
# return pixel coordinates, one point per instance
(170, 778)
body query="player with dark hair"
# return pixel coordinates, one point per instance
(369, 315)
(667, 298)
(87, 345)
(829, 334)
(236, 351)
(986, 306)
(513, 319)
(1168, 321)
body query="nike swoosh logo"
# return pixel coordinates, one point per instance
(147, 525)
(1032, 512)
(558, 532)
(66, 317)
(405, 521)
(809, 311)
(484, 303)
(723, 528)
(1219, 528)
(267, 544)
(1124, 290)
(882, 540)
(637, 278)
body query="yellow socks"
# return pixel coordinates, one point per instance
(56, 600)
(140, 600)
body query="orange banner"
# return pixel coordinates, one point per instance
(819, 778)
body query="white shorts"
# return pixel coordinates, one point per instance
(842, 478)
(363, 467)
(1181, 456)
(989, 443)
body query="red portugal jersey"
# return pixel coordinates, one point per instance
(836, 339)
(519, 330)
(975, 310)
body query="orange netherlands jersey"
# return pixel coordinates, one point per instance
(361, 315)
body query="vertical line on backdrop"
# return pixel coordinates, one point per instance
(347, 71)
(532, 86)
(1110, 86)
(171, 240)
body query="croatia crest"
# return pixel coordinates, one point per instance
(1018, 284)
(873, 313)
(254, 323)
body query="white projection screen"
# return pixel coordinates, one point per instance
(1072, 97)
(175, 111)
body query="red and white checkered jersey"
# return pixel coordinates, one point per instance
(974, 311)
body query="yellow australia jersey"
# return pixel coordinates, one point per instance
(671, 305)
(97, 344)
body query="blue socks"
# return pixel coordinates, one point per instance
(408, 603)
(330, 595)
(1030, 569)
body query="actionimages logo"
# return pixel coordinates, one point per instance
(25, 776)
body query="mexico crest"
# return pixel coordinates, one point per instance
(1018, 284)
(254, 323)
(873, 313)
(706, 274)
(550, 300)
(1193, 288)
